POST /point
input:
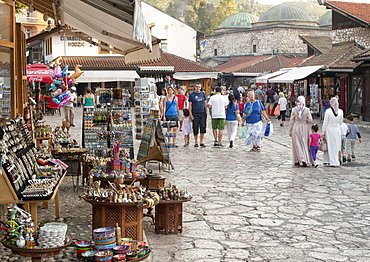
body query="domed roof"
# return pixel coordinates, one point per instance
(326, 19)
(283, 13)
(239, 20)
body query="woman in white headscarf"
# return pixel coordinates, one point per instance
(299, 132)
(331, 129)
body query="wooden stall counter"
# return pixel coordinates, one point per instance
(168, 216)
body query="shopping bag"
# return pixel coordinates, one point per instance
(323, 145)
(277, 110)
(66, 124)
(268, 129)
(242, 132)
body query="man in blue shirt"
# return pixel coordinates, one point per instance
(198, 113)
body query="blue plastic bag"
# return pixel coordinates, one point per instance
(268, 129)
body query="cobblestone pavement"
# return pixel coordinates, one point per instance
(248, 206)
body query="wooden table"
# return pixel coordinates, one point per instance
(128, 216)
(168, 216)
(38, 253)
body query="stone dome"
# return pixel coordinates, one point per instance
(326, 19)
(285, 13)
(239, 20)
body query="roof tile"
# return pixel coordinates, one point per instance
(320, 43)
(359, 10)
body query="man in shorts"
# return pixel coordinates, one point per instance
(218, 104)
(198, 113)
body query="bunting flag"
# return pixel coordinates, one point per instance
(202, 46)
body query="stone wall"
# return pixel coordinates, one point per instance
(267, 40)
(360, 35)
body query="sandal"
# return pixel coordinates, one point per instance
(258, 149)
(202, 145)
(253, 149)
(196, 145)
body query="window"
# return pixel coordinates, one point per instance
(215, 52)
(48, 46)
(254, 48)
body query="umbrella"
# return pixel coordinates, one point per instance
(39, 73)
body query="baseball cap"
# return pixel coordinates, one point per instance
(73, 88)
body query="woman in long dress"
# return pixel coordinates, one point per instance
(300, 133)
(331, 129)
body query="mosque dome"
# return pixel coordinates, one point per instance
(285, 13)
(326, 19)
(239, 20)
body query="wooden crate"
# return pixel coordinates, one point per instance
(128, 216)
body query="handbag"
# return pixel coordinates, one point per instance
(277, 111)
(66, 124)
(323, 145)
(238, 117)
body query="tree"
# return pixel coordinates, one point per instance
(198, 16)
(223, 10)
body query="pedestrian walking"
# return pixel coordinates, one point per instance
(283, 103)
(231, 120)
(187, 128)
(88, 100)
(269, 100)
(241, 105)
(170, 112)
(198, 114)
(353, 131)
(331, 128)
(68, 108)
(181, 98)
(254, 110)
(314, 142)
(299, 132)
(217, 103)
(343, 134)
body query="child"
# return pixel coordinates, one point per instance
(186, 127)
(343, 132)
(351, 138)
(241, 105)
(314, 142)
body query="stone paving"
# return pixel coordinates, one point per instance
(248, 206)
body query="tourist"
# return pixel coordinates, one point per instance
(269, 100)
(170, 112)
(283, 103)
(299, 132)
(331, 129)
(88, 100)
(181, 98)
(259, 93)
(351, 138)
(198, 113)
(231, 120)
(314, 142)
(217, 103)
(187, 128)
(254, 110)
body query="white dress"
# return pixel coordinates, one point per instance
(331, 130)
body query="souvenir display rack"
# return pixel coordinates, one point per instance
(104, 127)
(19, 165)
(5, 100)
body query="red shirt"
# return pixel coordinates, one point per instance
(181, 100)
(241, 107)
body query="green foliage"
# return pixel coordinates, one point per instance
(198, 16)
(224, 9)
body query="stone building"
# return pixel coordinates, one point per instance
(276, 32)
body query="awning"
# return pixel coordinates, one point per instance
(120, 24)
(195, 75)
(107, 76)
(295, 74)
(265, 78)
(245, 74)
(39, 73)
(157, 68)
